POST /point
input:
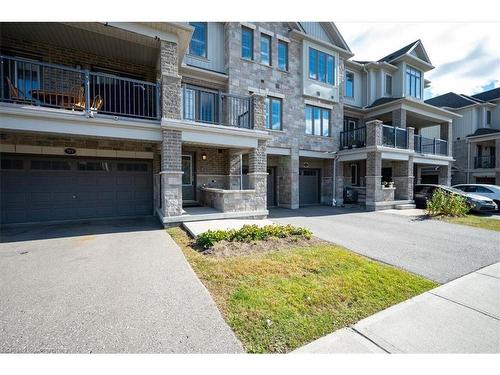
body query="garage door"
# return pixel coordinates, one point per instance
(308, 186)
(45, 189)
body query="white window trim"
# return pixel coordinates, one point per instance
(422, 81)
(305, 59)
(283, 38)
(249, 25)
(318, 104)
(392, 84)
(265, 31)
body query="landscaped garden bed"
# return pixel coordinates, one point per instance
(280, 292)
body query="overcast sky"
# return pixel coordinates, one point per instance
(466, 56)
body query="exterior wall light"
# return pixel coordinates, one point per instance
(203, 156)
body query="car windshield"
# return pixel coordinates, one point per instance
(453, 190)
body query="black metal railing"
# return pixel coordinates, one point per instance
(484, 161)
(216, 107)
(394, 137)
(30, 82)
(434, 146)
(353, 138)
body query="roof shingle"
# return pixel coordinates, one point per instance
(488, 95)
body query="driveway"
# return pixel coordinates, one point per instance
(104, 287)
(437, 250)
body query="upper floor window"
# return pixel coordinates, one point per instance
(321, 66)
(198, 44)
(488, 117)
(282, 55)
(413, 82)
(349, 84)
(265, 49)
(317, 121)
(273, 113)
(246, 43)
(388, 85)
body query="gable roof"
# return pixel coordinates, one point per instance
(384, 100)
(399, 52)
(450, 100)
(416, 49)
(488, 95)
(324, 31)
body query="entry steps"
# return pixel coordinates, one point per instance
(406, 206)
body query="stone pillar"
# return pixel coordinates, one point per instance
(373, 179)
(235, 169)
(418, 177)
(399, 118)
(374, 133)
(445, 175)
(339, 183)
(403, 179)
(171, 102)
(411, 138)
(327, 182)
(257, 174)
(445, 132)
(259, 112)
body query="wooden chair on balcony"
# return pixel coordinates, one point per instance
(97, 103)
(15, 93)
(78, 95)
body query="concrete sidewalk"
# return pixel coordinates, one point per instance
(462, 316)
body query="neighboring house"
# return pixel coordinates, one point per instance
(105, 120)
(476, 135)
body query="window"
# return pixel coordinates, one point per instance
(132, 167)
(246, 43)
(11, 164)
(93, 166)
(413, 82)
(488, 117)
(53, 165)
(388, 84)
(198, 44)
(321, 66)
(354, 174)
(273, 113)
(200, 104)
(317, 121)
(187, 169)
(265, 49)
(349, 85)
(282, 55)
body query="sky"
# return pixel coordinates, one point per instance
(466, 56)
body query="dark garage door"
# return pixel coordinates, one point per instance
(308, 186)
(46, 189)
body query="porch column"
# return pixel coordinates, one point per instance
(418, 176)
(403, 179)
(445, 132)
(399, 118)
(288, 180)
(235, 169)
(257, 175)
(445, 174)
(374, 133)
(327, 182)
(373, 179)
(339, 182)
(411, 138)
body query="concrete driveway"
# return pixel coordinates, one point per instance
(104, 287)
(437, 250)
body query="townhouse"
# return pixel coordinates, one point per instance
(476, 135)
(200, 120)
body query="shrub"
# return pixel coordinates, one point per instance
(251, 233)
(447, 204)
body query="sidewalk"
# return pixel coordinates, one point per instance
(462, 316)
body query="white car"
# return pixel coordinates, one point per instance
(484, 190)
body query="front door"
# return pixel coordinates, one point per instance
(309, 186)
(188, 178)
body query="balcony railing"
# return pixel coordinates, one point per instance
(394, 137)
(353, 138)
(484, 161)
(215, 107)
(35, 83)
(434, 146)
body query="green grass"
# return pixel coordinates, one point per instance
(475, 221)
(281, 300)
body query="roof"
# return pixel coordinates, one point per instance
(399, 52)
(451, 100)
(488, 95)
(381, 101)
(484, 131)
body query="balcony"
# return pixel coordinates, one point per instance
(394, 137)
(433, 146)
(486, 162)
(34, 83)
(216, 107)
(353, 138)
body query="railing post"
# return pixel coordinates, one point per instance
(2, 77)
(219, 96)
(434, 147)
(87, 91)
(158, 102)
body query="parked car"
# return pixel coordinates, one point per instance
(423, 192)
(484, 190)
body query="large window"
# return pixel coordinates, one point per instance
(413, 82)
(388, 85)
(321, 66)
(265, 49)
(273, 113)
(349, 84)
(317, 121)
(198, 44)
(247, 43)
(282, 55)
(488, 117)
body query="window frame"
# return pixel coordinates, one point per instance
(321, 110)
(205, 56)
(410, 72)
(386, 91)
(488, 117)
(347, 72)
(354, 176)
(285, 44)
(269, 112)
(315, 75)
(249, 30)
(269, 38)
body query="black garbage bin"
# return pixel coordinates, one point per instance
(350, 195)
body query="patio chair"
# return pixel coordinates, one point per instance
(78, 95)
(14, 92)
(97, 103)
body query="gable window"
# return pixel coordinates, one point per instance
(273, 113)
(282, 55)
(321, 66)
(317, 121)
(349, 84)
(413, 82)
(388, 85)
(265, 49)
(246, 43)
(488, 117)
(198, 44)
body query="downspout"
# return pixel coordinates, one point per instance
(468, 161)
(334, 178)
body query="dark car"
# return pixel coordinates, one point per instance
(423, 192)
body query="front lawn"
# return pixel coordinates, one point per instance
(276, 301)
(475, 221)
